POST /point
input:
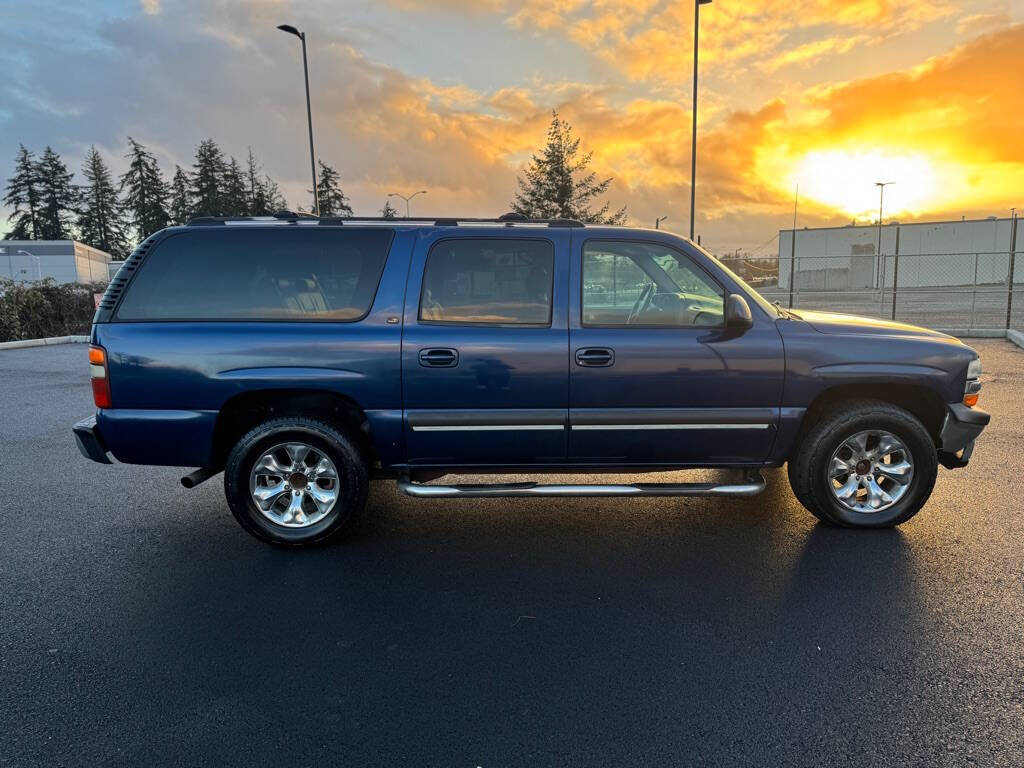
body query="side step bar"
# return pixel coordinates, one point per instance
(752, 486)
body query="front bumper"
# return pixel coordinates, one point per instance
(959, 431)
(89, 441)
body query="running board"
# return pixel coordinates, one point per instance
(752, 486)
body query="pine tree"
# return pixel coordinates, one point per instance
(389, 211)
(255, 189)
(272, 194)
(145, 191)
(181, 197)
(58, 197)
(235, 200)
(207, 179)
(100, 214)
(24, 195)
(557, 185)
(333, 201)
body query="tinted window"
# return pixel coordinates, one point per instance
(646, 284)
(259, 274)
(492, 281)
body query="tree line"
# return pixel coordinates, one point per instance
(112, 214)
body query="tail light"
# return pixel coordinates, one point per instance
(100, 377)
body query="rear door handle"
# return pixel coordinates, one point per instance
(439, 357)
(595, 357)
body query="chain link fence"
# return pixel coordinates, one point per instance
(965, 290)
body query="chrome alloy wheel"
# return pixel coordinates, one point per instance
(294, 485)
(870, 471)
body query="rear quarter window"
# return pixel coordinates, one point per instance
(259, 274)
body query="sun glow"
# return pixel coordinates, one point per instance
(845, 180)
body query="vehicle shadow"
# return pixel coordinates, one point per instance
(574, 630)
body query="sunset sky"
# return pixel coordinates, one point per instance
(453, 96)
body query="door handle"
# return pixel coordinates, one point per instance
(439, 357)
(595, 357)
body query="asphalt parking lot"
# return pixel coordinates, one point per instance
(140, 626)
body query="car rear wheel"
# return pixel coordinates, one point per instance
(868, 464)
(295, 481)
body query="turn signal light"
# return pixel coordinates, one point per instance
(100, 379)
(971, 400)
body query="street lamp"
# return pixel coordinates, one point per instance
(407, 199)
(657, 222)
(693, 151)
(309, 112)
(39, 265)
(881, 262)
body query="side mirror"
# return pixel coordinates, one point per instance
(737, 312)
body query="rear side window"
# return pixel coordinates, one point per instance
(492, 281)
(260, 274)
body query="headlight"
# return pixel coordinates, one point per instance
(973, 385)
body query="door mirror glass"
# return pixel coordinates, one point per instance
(737, 312)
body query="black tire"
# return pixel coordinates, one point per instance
(809, 466)
(323, 437)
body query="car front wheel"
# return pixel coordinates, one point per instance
(868, 464)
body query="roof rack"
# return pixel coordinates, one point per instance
(289, 217)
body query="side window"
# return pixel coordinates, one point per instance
(265, 274)
(490, 281)
(646, 284)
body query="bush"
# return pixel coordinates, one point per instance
(39, 310)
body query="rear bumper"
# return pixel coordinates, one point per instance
(959, 431)
(89, 441)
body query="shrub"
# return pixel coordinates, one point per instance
(42, 309)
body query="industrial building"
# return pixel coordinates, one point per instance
(917, 255)
(65, 261)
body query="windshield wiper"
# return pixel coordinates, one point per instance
(784, 312)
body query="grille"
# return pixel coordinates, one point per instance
(116, 286)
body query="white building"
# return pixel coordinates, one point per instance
(929, 254)
(66, 261)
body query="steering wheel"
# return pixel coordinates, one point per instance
(643, 301)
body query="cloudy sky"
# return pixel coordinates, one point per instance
(453, 96)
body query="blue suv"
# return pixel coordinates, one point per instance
(302, 356)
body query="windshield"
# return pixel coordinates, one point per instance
(760, 300)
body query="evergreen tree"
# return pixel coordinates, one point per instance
(24, 195)
(557, 185)
(181, 197)
(272, 194)
(145, 191)
(235, 200)
(333, 201)
(255, 188)
(207, 180)
(389, 211)
(58, 197)
(100, 214)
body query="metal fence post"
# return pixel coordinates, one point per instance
(1009, 275)
(895, 272)
(792, 266)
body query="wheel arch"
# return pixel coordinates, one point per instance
(922, 401)
(244, 411)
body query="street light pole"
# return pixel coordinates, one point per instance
(881, 196)
(657, 222)
(407, 199)
(693, 150)
(309, 110)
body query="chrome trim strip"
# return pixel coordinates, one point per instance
(669, 426)
(486, 427)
